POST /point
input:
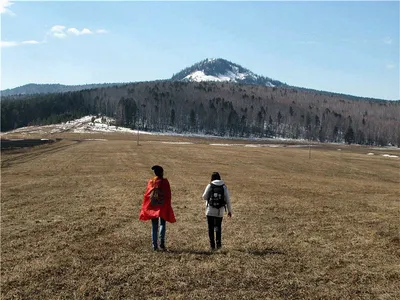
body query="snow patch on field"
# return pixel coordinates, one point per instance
(102, 140)
(384, 155)
(388, 155)
(179, 143)
(389, 148)
(226, 145)
(262, 145)
(87, 124)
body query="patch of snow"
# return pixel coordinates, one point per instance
(229, 76)
(254, 76)
(263, 145)
(259, 145)
(370, 153)
(82, 125)
(179, 143)
(269, 84)
(226, 145)
(199, 76)
(238, 75)
(386, 148)
(388, 155)
(95, 140)
(299, 146)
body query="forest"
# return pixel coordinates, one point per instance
(218, 108)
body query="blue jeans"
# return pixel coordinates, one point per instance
(154, 233)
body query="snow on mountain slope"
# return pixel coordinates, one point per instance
(221, 70)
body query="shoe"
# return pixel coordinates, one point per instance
(162, 247)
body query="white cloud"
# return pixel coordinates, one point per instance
(390, 66)
(5, 44)
(30, 42)
(75, 31)
(101, 31)
(388, 40)
(8, 44)
(86, 31)
(60, 31)
(57, 31)
(4, 4)
(57, 28)
(59, 35)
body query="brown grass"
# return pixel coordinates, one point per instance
(319, 228)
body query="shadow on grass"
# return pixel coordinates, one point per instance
(263, 252)
(257, 252)
(192, 251)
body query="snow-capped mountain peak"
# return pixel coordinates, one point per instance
(221, 70)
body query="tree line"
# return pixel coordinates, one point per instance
(224, 109)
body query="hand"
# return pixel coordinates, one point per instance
(229, 214)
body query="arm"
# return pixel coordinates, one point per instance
(206, 192)
(228, 201)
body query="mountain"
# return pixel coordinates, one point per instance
(219, 69)
(208, 70)
(223, 70)
(33, 88)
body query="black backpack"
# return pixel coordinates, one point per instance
(216, 197)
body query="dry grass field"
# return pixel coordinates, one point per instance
(319, 228)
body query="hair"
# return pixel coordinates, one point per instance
(158, 170)
(215, 176)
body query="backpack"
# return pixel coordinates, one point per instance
(216, 197)
(156, 195)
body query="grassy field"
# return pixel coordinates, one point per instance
(319, 228)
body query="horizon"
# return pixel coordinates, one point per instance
(349, 48)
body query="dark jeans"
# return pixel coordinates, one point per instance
(214, 223)
(154, 232)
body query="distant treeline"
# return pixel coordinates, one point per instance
(225, 109)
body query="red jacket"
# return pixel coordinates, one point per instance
(164, 211)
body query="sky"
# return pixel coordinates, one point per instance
(346, 47)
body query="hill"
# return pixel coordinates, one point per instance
(218, 108)
(34, 88)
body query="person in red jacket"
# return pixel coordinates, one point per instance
(157, 206)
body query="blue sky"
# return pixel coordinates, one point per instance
(345, 47)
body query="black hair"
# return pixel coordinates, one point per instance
(215, 176)
(158, 170)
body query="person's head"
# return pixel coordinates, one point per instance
(158, 170)
(215, 176)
